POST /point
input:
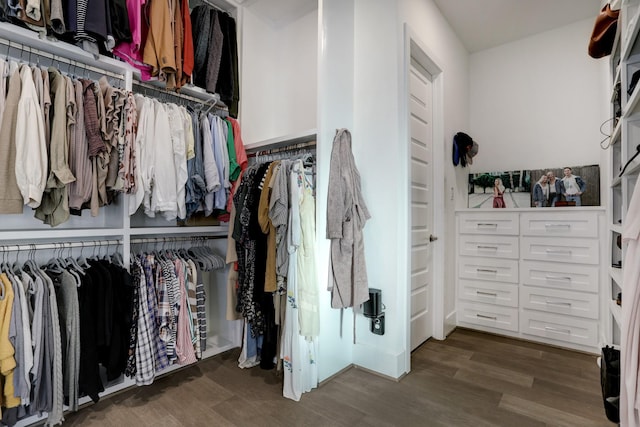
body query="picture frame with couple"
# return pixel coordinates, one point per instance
(536, 188)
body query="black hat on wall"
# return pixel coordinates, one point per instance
(464, 149)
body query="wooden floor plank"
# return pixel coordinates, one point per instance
(493, 369)
(548, 415)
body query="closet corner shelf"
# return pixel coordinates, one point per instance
(617, 131)
(632, 103)
(616, 275)
(630, 35)
(282, 141)
(616, 80)
(616, 311)
(169, 231)
(632, 169)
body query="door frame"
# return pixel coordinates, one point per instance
(414, 47)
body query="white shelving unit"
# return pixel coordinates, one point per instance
(113, 224)
(624, 62)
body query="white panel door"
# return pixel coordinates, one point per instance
(421, 203)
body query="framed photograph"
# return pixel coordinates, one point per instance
(539, 188)
(503, 189)
(565, 186)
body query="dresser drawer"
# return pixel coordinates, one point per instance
(564, 250)
(488, 315)
(560, 224)
(561, 302)
(572, 277)
(488, 292)
(494, 269)
(558, 327)
(488, 246)
(489, 223)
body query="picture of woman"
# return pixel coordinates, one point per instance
(541, 192)
(555, 188)
(498, 192)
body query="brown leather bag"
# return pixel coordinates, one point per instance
(604, 32)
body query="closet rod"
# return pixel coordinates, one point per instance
(310, 145)
(174, 239)
(56, 58)
(215, 6)
(59, 245)
(212, 97)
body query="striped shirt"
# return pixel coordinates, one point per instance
(192, 278)
(184, 346)
(202, 316)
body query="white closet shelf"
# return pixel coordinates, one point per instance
(616, 275)
(187, 91)
(213, 229)
(616, 228)
(281, 141)
(632, 169)
(630, 35)
(616, 80)
(217, 345)
(615, 136)
(632, 103)
(66, 51)
(616, 311)
(89, 233)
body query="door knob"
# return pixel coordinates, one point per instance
(432, 238)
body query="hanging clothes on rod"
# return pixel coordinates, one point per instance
(189, 158)
(79, 130)
(52, 299)
(171, 325)
(216, 54)
(271, 238)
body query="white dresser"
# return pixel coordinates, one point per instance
(532, 274)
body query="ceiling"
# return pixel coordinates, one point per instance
(280, 12)
(480, 24)
(483, 24)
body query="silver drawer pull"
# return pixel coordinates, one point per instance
(549, 277)
(482, 316)
(557, 225)
(486, 270)
(487, 224)
(552, 329)
(568, 304)
(558, 251)
(492, 294)
(493, 248)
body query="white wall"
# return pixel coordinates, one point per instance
(335, 110)
(258, 78)
(538, 102)
(297, 80)
(378, 146)
(279, 76)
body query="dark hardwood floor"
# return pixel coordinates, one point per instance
(470, 379)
